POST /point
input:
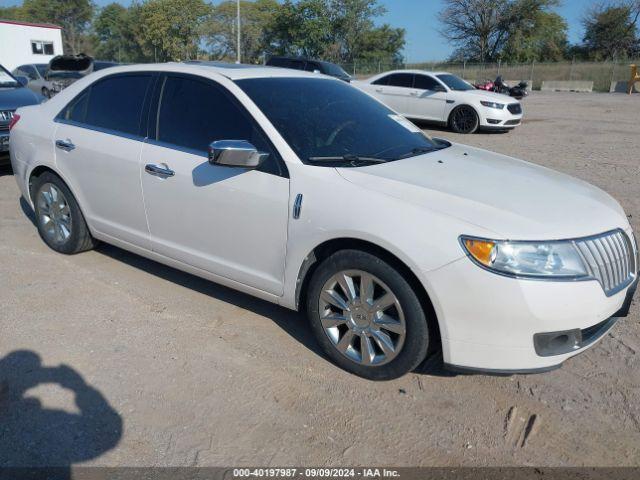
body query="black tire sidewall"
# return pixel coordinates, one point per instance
(78, 225)
(452, 123)
(417, 337)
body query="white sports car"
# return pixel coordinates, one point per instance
(443, 98)
(306, 192)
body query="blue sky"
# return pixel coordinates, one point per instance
(419, 18)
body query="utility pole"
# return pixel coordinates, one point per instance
(238, 48)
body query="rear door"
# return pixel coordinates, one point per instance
(98, 144)
(427, 100)
(225, 220)
(394, 90)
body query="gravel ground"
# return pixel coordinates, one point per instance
(110, 359)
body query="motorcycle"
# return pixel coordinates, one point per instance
(518, 91)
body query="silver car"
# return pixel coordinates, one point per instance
(37, 75)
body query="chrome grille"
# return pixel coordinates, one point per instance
(5, 119)
(610, 259)
(514, 108)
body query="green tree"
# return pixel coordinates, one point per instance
(611, 30)
(171, 29)
(12, 13)
(219, 31)
(301, 28)
(543, 38)
(74, 16)
(489, 30)
(109, 30)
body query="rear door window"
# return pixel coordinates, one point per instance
(404, 80)
(116, 102)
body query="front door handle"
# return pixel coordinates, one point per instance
(379, 90)
(158, 171)
(66, 145)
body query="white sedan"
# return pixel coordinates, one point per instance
(443, 98)
(304, 191)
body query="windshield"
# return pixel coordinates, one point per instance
(328, 120)
(7, 80)
(42, 68)
(455, 83)
(335, 70)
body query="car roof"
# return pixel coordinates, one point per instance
(230, 70)
(428, 72)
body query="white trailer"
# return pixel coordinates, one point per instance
(24, 42)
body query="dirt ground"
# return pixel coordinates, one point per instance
(110, 359)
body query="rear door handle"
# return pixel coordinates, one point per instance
(66, 145)
(158, 171)
(379, 90)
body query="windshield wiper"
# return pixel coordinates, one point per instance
(418, 151)
(347, 158)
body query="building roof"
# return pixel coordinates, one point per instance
(30, 24)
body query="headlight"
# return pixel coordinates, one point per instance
(556, 259)
(499, 106)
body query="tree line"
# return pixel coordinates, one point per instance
(343, 31)
(529, 30)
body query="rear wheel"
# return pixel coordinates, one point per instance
(60, 222)
(464, 119)
(366, 316)
(46, 93)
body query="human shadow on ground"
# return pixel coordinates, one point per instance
(43, 441)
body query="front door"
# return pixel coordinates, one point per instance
(427, 100)
(228, 221)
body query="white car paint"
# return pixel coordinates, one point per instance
(436, 106)
(241, 232)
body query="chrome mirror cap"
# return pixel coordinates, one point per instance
(235, 153)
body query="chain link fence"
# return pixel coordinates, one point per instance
(600, 73)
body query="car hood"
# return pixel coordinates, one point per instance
(511, 198)
(12, 98)
(492, 96)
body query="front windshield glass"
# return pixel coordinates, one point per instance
(329, 120)
(455, 83)
(335, 70)
(7, 80)
(42, 68)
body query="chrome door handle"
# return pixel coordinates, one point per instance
(414, 94)
(379, 90)
(66, 145)
(158, 171)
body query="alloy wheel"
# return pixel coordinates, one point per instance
(54, 214)
(362, 317)
(464, 119)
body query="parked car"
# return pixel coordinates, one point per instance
(13, 95)
(304, 191)
(64, 70)
(37, 75)
(445, 99)
(309, 65)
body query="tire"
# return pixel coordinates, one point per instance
(464, 119)
(46, 93)
(59, 219)
(367, 329)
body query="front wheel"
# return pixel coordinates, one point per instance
(464, 119)
(366, 317)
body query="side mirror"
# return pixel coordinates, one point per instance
(22, 80)
(439, 88)
(235, 153)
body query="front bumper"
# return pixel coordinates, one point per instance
(498, 119)
(490, 322)
(4, 148)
